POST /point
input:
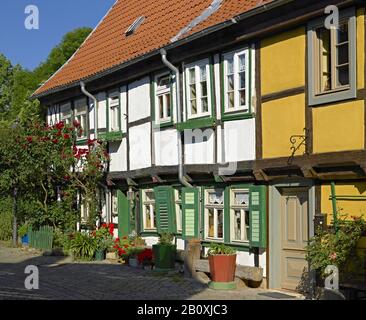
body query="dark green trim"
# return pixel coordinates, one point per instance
(237, 115)
(149, 234)
(226, 222)
(112, 136)
(81, 142)
(238, 247)
(205, 122)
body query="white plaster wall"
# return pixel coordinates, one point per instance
(165, 147)
(239, 140)
(217, 85)
(200, 151)
(150, 241)
(140, 146)
(102, 110)
(139, 100)
(180, 244)
(118, 155)
(123, 91)
(91, 115)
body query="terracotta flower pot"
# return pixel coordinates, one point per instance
(222, 267)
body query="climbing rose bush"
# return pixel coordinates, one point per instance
(336, 248)
(48, 167)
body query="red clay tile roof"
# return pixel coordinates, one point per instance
(107, 46)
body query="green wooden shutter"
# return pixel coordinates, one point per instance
(123, 214)
(165, 209)
(190, 208)
(258, 216)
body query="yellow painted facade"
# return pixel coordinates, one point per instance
(283, 61)
(338, 126)
(356, 207)
(361, 48)
(281, 119)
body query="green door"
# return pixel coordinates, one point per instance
(123, 214)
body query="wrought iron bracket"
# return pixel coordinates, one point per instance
(297, 142)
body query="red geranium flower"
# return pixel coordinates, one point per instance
(66, 136)
(55, 141)
(76, 124)
(91, 142)
(60, 125)
(30, 139)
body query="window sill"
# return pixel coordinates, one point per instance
(245, 247)
(158, 125)
(112, 136)
(334, 96)
(151, 233)
(82, 142)
(206, 122)
(239, 115)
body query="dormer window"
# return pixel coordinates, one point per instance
(133, 27)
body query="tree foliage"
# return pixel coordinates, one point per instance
(49, 170)
(18, 84)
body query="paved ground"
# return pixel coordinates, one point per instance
(64, 280)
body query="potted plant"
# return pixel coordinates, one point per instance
(222, 261)
(104, 240)
(145, 258)
(164, 252)
(121, 247)
(23, 234)
(83, 246)
(137, 245)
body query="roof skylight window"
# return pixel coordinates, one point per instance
(133, 27)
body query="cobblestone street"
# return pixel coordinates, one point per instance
(62, 279)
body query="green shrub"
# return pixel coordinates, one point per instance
(220, 249)
(83, 246)
(6, 219)
(166, 238)
(23, 230)
(339, 249)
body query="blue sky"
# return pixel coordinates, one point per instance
(56, 17)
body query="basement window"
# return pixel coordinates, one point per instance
(332, 60)
(134, 26)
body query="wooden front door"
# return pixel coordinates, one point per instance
(294, 237)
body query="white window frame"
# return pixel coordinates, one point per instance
(66, 113)
(216, 207)
(114, 203)
(163, 92)
(152, 207)
(235, 56)
(84, 211)
(178, 210)
(244, 210)
(114, 104)
(81, 112)
(197, 65)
